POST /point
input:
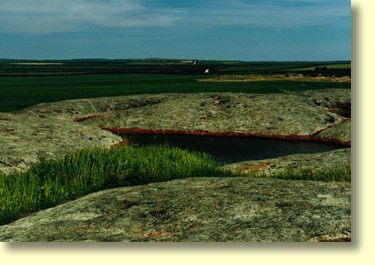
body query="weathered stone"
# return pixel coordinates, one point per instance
(196, 209)
(258, 115)
(339, 133)
(26, 138)
(330, 99)
(316, 162)
(48, 130)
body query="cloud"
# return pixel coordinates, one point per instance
(272, 13)
(50, 16)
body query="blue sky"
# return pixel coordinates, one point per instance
(250, 30)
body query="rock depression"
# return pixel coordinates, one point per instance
(51, 130)
(215, 209)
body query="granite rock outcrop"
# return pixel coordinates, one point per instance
(51, 130)
(195, 209)
(316, 162)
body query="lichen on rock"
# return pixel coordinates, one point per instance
(316, 162)
(195, 209)
(49, 130)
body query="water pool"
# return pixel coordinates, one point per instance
(232, 149)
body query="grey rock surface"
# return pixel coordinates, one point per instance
(49, 130)
(196, 210)
(338, 133)
(318, 162)
(274, 114)
(25, 138)
(330, 99)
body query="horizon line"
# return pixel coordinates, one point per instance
(157, 58)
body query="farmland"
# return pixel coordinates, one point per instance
(26, 83)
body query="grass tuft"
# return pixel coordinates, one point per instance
(51, 182)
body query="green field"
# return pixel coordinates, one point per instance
(25, 83)
(329, 66)
(18, 93)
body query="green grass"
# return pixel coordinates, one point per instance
(51, 182)
(54, 181)
(18, 93)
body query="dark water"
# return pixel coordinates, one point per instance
(230, 149)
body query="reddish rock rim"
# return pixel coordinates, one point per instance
(292, 137)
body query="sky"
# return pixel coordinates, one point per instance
(246, 30)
